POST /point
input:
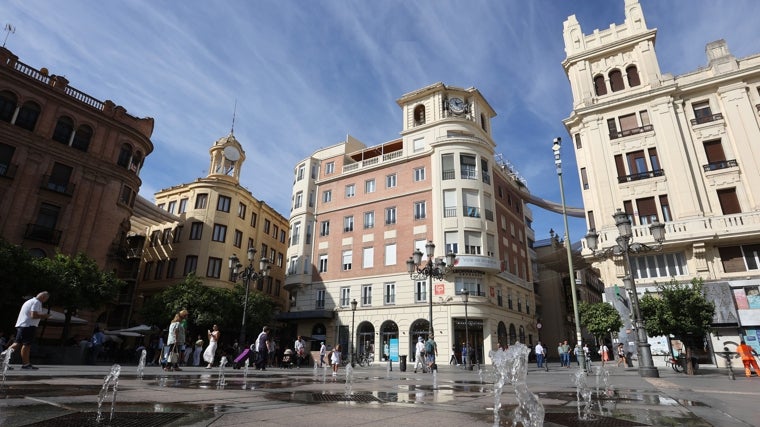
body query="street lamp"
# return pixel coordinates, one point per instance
(351, 338)
(578, 336)
(466, 297)
(247, 275)
(431, 269)
(625, 246)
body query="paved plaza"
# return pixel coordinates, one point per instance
(58, 395)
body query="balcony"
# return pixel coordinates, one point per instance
(42, 234)
(707, 119)
(633, 131)
(449, 174)
(469, 173)
(449, 212)
(641, 175)
(723, 164)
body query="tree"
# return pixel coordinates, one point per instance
(680, 310)
(75, 283)
(600, 319)
(20, 279)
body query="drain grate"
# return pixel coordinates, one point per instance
(120, 419)
(571, 420)
(361, 398)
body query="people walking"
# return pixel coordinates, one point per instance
(565, 354)
(175, 341)
(748, 355)
(263, 345)
(335, 359)
(540, 354)
(322, 353)
(210, 352)
(198, 351)
(621, 355)
(419, 355)
(26, 325)
(604, 352)
(431, 351)
(98, 340)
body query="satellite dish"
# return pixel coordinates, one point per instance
(231, 153)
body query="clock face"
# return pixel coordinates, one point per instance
(232, 153)
(456, 105)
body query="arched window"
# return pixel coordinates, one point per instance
(136, 162)
(8, 104)
(616, 81)
(633, 76)
(502, 334)
(82, 138)
(512, 334)
(419, 115)
(63, 130)
(125, 155)
(522, 334)
(28, 115)
(600, 87)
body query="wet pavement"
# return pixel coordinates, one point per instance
(68, 395)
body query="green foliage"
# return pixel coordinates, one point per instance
(678, 309)
(600, 319)
(20, 279)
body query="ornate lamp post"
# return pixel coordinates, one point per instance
(625, 246)
(431, 269)
(466, 297)
(248, 274)
(351, 338)
(571, 270)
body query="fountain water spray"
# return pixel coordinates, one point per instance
(141, 364)
(111, 381)
(512, 366)
(583, 394)
(246, 370)
(349, 379)
(222, 382)
(6, 363)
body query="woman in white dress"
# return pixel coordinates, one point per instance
(213, 337)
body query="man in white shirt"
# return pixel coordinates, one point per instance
(298, 346)
(419, 354)
(540, 353)
(26, 325)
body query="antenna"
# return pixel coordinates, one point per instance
(9, 29)
(234, 112)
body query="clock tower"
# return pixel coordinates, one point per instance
(227, 156)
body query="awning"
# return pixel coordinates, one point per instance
(56, 317)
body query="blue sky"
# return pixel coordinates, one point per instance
(306, 73)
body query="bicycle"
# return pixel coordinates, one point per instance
(673, 363)
(364, 359)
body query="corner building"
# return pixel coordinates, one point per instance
(360, 212)
(681, 150)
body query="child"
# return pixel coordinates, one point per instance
(335, 360)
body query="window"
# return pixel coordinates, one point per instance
(471, 203)
(591, 220)
(350, 190)
(736, 259)
(177, 234)
(491, 245)
(702, 112)
(347, 260)
(600, 87)
(366, 295)
(658, 266)
(324, 228)
(171, 266)
(509, 300)
(628, 122)
(472, 242)
(451, 238)
(82, 137)
(419, 174)
(419, 115)
(390, 293)
(471, 284)
(368, 257)
(616, 81)
(214, 268)
(665, 208)
(449, 203)
(329, 168)
(390, 216)
(300, 173)
(298, 200)
(632, 74)
(148, 268)
(201, 200)
(447, 163)
(267, 226)
(647, 210)
(320, 299)
(58, 180)
(729, 202)
(369, 219)
(154, 238)
(293, 265)
(191, 264)
(326, 196)
(484, 171)
(238, 239)
(499, 298)
(467, 165)
(311, 198)
(369, 186)
(295, 234)
(282, 236)
(419, 210)
(275, 231)
(254, 216)
(196, 230)
(345, 297)
(390, 254)
(8, 104)
(418, 144)
(220, 233)
(584, 178)
(127, 196)
(27, 116)
(420, 291)
(166, 236)
(323, 263)
(182, 206)
(223, 204)
(313, 171)
(172, 206)
(578, 143)
(716, 158)
(348, 224)
(64, 130)
(390, 181)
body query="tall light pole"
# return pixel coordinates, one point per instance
(571, 270)
(466, 297)
(625, 246)
(431, 269)
(247, 275)
(351, 338)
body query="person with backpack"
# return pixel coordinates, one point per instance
(431, 351)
